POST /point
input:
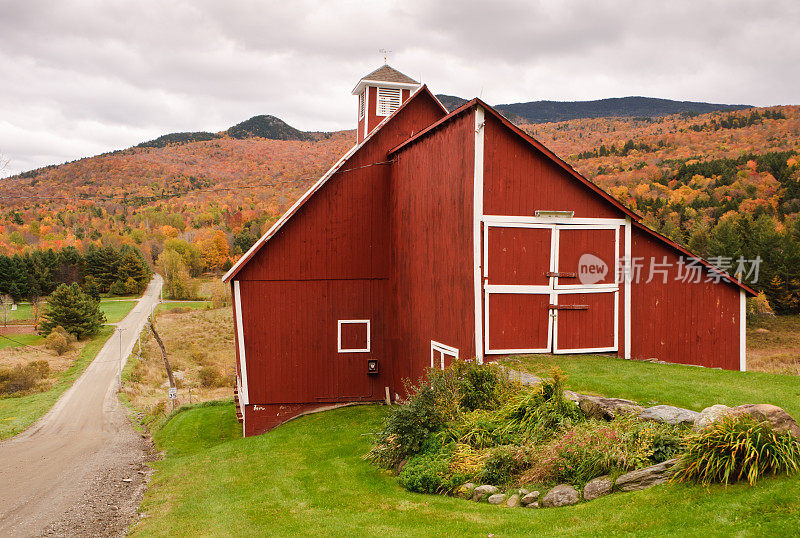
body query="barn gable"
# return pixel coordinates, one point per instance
(334, 234)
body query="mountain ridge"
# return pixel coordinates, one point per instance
(614, 107)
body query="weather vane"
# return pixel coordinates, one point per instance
(386, 53)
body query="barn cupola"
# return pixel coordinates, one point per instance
(379, 94)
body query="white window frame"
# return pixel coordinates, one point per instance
(388, 100)
(444, 350)
(339, 335)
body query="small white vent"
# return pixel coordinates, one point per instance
(388, 100)
(361, 104)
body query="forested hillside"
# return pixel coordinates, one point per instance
(724, 183)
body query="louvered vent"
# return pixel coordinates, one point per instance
(361, 104)
(388, 101)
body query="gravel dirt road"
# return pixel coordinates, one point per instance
(80, 470)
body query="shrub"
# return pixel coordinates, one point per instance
(578, 455)
(220, 294)
(211, 377)
(503, 462)
(430, 471)
(57, 342)
(23, 378)
(430, 406)
(737, 448)
(480, 386)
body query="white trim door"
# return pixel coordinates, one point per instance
(539, 303)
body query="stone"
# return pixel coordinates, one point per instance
(497, 498)
(481, 492)
(710, 415)
(647, 477)
(513, 501)
(561, 495)
(780, 420)
(533, 505)
(597, 488)
(126, 480)
(607, 408)
(669, 415)
(465, 490)
(530, 498)
(522, 492)
(762, 330)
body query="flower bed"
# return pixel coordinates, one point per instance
(471, 424)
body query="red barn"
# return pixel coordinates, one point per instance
(444, 235)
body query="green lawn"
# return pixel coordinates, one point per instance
(648, 383)
(17, 413)
(16, 340)
(307, 477)
(116, 310)
(24, 311)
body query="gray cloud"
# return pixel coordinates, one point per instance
(85, 76)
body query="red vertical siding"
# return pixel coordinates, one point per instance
(431, 215)
(329, 262)
(683, 322)
(518, 180)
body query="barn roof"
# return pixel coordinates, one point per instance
(241, 262)
(385, 75)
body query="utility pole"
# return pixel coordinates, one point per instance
(166, 361)
(120, 330)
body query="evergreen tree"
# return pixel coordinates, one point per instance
(72, 309)
(133, 266)
(103, 264)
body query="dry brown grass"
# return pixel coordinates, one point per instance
(197, 341)
(773, 345)
(22, 355)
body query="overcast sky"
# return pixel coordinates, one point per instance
(80, 77)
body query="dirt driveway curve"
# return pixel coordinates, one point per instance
(80, 470)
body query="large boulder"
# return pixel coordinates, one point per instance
(561, 495)
(513, 501)
(530, 498)
(780, 420)
(647, 477)
(465, 491)
(482, 492)
(710, 415)
(497, 498)
(669, 415)
(597, 488)
(607, 408)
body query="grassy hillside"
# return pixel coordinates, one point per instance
(307, 477)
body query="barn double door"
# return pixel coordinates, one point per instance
(550, 288)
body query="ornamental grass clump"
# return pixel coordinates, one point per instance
(441, 400)
(737, 448)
